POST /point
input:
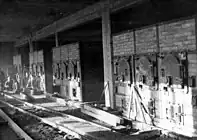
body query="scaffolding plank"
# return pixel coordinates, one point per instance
(104, 116)
(87, 130)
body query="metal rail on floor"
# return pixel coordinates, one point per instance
(159, 129)
(76, 133)
(51, 110)
(66, 130)
(101, 133)
(15, 127)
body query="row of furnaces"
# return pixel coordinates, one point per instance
(66, 77)
(36, 62)
(35, 66)
(17, 63)
(163, 83)
(67, 73)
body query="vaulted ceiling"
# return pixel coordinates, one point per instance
(21, 17)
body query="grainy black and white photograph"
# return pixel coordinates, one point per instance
(98, 69)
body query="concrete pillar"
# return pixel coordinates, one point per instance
(30, 44)
(107, 55)
(31, 49)
(24, 53)
(56, 40)
(56, 36)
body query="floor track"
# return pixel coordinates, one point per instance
(63, 121)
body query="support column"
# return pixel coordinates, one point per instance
(107, 56)
(31, 49)
(48, 68)
(30, 44)
(56, 40)
(56, 37)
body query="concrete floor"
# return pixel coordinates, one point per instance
(58, 107)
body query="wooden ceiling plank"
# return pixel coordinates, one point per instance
(82, 16)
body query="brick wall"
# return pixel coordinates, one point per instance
(68, 51)
(146, 40)
(56, 54)
(192, 58)
(64, 52)
(172, 37)
(40, 56)
(73, 51)
(192, 67)
(123, 44)
(177, 36)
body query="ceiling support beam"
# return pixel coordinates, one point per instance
(75, 39)
(82, 16)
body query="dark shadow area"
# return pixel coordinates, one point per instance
(24, 51)
(89, 37)
(46, 45)
(41, 101)
(92, 70)
(6, 133)
(87, 32)
(152, 12)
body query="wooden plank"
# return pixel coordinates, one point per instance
(21, 42)
(117, 5)
(14, 126)
(102, 115)
(89, 131)
(46, 109)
